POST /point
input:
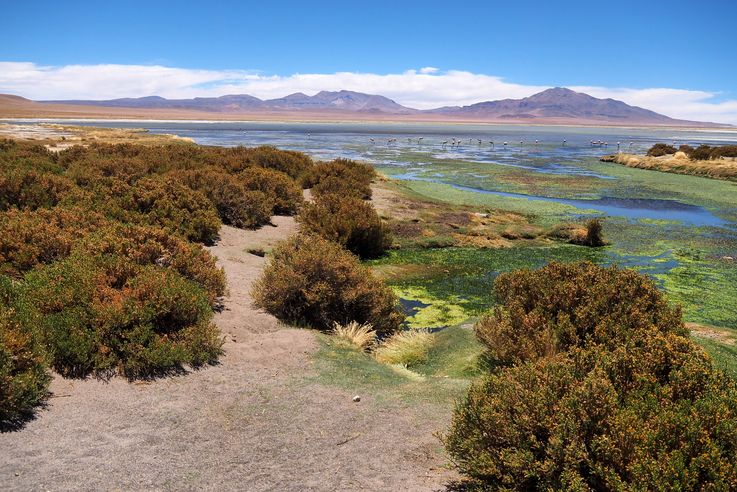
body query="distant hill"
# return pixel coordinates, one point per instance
(325, 100)
(564, 104)
(551, 106)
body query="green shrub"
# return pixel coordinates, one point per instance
(649, 417)
(282, 190)
(597, 387)
(30, 189)
(294, 164)
(547, 311)
(101, 315)
(151, 246)
(41, 236)
(660, 149)
(310, 280)
(237, 204)
(341, 176)
(701, 153)
(24, 378)
(351, 222)
(166, 203)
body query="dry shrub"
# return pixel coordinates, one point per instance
(351, 222)
(312, 281)
(405, 348)
(281, 189)
(24, 378)
(360, 336)
(341, 176)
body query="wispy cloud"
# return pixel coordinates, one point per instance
(424, 88)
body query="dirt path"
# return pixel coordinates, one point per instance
(256, 421)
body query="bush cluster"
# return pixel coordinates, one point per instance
(593, 384)
(700, 153)
(98, 315)
(661, 149)
(100, 244)
(279, 187)
(24, 377)
(351, 222)
(341, 176)
(312, 281)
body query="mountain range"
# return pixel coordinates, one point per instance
(552, 106)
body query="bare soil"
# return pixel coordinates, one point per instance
(260, 420)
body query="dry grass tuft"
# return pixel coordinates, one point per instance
(358, 335)
(405, 348)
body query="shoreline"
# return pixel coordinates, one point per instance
(304, 121)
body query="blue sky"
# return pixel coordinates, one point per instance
(616, 46)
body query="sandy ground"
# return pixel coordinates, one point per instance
(257, 421)
(58, 137)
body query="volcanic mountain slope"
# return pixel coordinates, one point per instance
(551, 106)
(325, 100)
(560, 104)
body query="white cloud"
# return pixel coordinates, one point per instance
(425, 88)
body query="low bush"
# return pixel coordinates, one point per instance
(31, 189)
(661, 149)
(144, 246)
(282, 190)
(101, 315)
(312, 281)
(594, 234)
(294, 164)
(166, 203)
(547, 311)
(24, 378)
(236, 204)
(596, 387)
(42, 236)
(341, 176)
(351, 222)
(707, 152)
(653, 416)
(405, 348)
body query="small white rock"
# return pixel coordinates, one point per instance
(356, 398)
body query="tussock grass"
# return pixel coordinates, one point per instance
(405, 348)
(716, 168)
(360, 336)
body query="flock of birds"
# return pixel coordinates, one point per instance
(454, 142)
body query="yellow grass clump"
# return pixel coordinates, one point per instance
(360, 336)
(405, 348)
